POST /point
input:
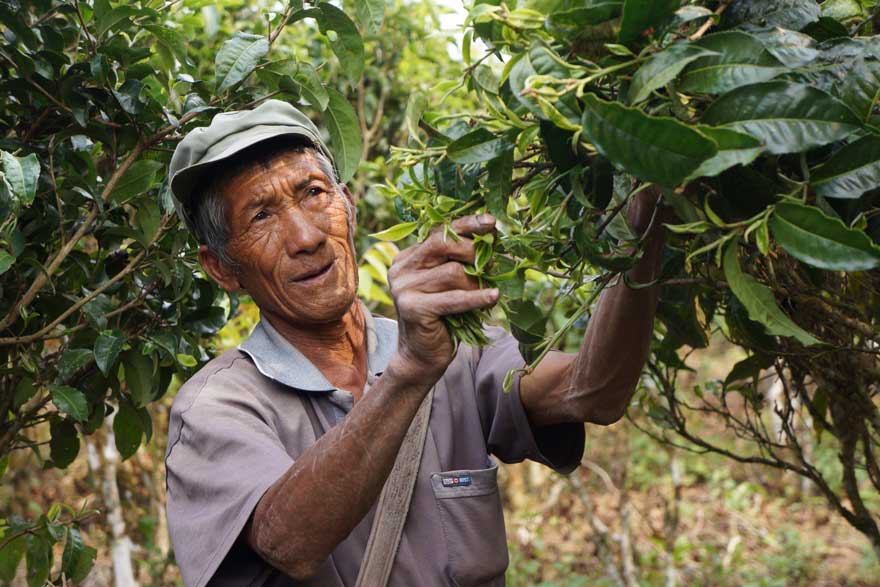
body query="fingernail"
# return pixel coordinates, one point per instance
(486, 219)
(493, 293)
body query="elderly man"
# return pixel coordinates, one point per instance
(278, 450)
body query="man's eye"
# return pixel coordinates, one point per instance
(314, 191)
(261, 215)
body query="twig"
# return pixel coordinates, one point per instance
(274, 34)
(42, 278)
(82, 23)
(709, 22)
(132, 265)
(260, 100)
(611, 216)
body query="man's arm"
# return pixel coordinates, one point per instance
(330, 488)
(596, 384)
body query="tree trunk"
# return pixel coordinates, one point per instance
(104, 466)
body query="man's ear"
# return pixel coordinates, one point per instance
(223, 274)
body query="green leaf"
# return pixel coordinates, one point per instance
(128, 430)
(10, 557)
(107, 20)
(139, 178)
(659, 150)
(370, 13)
(348, 46)
(499, 184)
(129, 96)
(477, 146)
(786, 14)
(662, 68)
(237, 58)
(860, 89)
(64, 442)
(78, 559)
(21, 174)
(842, 9)
(485, 78)
(733, 149)
(149, 217)
(641, 16)
(72, 361)
(759, 301)
(311, 86)
(25, 389)
(811, 236)
(520, 73)
(748, 368)
(108, 345)
(852, 171)
(396, 232)
(39, 560)
(415, 107)
(595, 12)
(785, 116)
(6, 261)
(740, 59)
(70, 401)
(790, 48)
(138, 376)
(527, 323)
(345, 134)
(186, 360)
(171, 39)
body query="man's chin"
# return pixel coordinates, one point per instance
(321, 308)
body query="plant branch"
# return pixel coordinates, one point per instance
(43, 277)
(130, 267)
(709, 22)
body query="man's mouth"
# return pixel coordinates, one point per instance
(316, 275)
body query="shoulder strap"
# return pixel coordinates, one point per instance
(394, 503)
(313, 416)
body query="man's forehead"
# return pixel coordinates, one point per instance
(286, 170)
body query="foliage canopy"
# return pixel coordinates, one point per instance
(759, 123)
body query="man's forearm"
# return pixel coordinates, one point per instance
(616, 345)
(325, 494)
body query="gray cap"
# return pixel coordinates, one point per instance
(203, 148)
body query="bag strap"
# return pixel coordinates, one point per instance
(312, 414)
(394, 503)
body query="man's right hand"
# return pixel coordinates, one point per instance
(428, 282)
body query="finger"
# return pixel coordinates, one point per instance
(445, 277)
(440, 248)
(458, 300)
(448, 276)
(474, 224)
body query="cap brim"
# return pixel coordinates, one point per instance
(186, 180)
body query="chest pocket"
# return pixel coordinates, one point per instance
(473, 524)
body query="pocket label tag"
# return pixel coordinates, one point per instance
(460, 481)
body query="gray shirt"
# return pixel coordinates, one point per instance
(240, 423)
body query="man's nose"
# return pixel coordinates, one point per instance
(302, 235)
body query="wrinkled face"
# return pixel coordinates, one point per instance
(290, 232)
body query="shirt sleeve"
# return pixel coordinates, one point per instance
(223, 456)
(506, 427)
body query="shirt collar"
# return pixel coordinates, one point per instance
(277, 359)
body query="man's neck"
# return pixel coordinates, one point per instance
(338, 349)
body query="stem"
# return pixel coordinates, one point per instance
(581, 84)
(132, 265)
(43, 277)
(708, 24)
(557, 336)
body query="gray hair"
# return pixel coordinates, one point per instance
(207, 210)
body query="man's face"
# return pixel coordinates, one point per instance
(290, 233)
